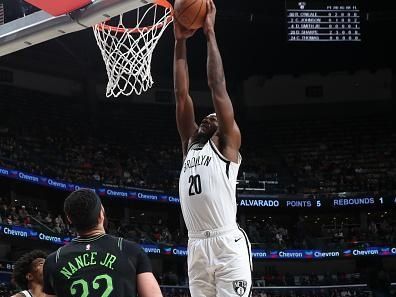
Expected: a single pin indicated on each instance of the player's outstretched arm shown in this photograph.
(147, 285)
(228, 128)
(185, 118)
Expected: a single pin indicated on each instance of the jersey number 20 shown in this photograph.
(195, 185)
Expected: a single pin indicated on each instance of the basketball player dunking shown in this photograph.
(219, 259)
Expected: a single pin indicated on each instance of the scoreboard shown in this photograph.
(326, 203)
(326, 21)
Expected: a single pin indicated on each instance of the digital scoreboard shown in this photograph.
(326, 203)
(323, 21)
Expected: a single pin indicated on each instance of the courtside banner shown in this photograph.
(6, 266)
(281, 254)
(244, 200)
(177, 250)
(31, 234)
(154, 249)
(321, 254)
(113, 192)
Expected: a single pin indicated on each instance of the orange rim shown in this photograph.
(164, 3)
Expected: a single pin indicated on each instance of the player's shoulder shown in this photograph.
(52, 258)
(130, 245)
(123, 244)
(52, 255)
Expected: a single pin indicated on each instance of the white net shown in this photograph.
(127, 52)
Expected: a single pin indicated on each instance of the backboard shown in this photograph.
(58, 20)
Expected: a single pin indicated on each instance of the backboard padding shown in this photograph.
(42, 26)
(58, 7)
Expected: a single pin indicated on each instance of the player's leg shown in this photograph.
(201, 278)
(233, 275)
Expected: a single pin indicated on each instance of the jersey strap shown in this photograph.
(88, 239)
(228, 162)
(26, 293)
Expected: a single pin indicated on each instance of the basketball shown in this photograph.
(190, 13)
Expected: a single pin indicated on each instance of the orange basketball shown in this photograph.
(190, 13)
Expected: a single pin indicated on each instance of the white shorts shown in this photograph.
(219, 263)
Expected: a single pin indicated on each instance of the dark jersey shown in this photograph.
(100, 266)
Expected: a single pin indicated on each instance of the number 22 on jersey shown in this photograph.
(95, 284)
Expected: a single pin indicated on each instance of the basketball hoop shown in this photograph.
(127, 46)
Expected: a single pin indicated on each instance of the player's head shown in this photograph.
(28, 269)
(208, 126)
(84, 210)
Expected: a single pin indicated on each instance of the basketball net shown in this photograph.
(127, 51)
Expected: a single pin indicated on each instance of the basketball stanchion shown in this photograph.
(127, 43)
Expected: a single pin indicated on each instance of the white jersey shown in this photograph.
(207, 188)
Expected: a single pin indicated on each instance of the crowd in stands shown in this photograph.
(331, 292)
(344, 230)
(154, 233)
(89, 161)
(29, 215)
(6, 291)
(314, 231)
(277, 279)
(316, 157)
(137, 146)
(357, 154)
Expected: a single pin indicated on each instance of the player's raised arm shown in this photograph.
(185, 118)
(229, 131)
